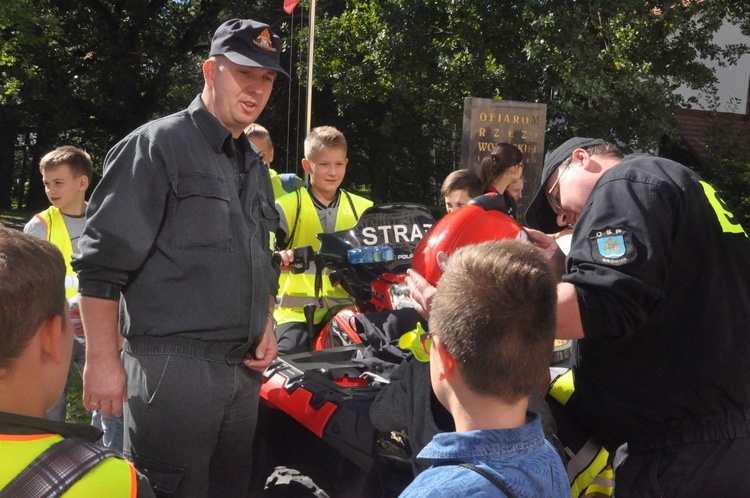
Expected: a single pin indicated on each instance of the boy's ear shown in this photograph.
(83, 183)
(448, 364)
(50, 335)
(306, 165)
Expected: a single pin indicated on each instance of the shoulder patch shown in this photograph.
(612, 246)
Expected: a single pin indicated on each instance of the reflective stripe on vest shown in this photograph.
(587, 470)
(297, 290)
(113, 477)
(57, 233)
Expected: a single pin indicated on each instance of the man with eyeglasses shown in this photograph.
(657, 287)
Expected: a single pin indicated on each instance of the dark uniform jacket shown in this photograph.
(180, 223)
(662, 274)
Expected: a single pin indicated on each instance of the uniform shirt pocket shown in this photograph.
(200, 215)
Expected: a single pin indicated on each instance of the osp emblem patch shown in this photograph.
(612, 246)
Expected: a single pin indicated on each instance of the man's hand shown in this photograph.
(105, 385)
(421, 293)
(266, 351)
(549, 247)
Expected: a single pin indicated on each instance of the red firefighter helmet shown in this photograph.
(483, 219)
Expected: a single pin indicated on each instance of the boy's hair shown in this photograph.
(502, 157)
(462, 179)
(254, 130)
(323, 137)
(77, 160)
(495, 312)
(32, 289)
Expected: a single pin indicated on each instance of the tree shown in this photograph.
(87, 72)
(397, 73)
(392, 74)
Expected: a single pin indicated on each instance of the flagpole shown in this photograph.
(310, 66)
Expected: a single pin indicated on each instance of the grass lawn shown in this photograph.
(76, 412)
(14, 218)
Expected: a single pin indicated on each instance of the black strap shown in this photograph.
(296, 218)
(494, 480)
(55, 470)
(351, 204)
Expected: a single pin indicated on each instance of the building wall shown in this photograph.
(733, 80)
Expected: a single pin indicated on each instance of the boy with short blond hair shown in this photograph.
(492, 326)
(66, 174)
(322, 207)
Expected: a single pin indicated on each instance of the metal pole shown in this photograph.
(310, 58)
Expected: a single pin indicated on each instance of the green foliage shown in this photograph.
(397, 72)
(88, 72)
(727, 167)
(392, 74)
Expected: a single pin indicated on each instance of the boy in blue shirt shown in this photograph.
(492, 325)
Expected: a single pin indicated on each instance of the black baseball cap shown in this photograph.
(248, 43)
(539, 214)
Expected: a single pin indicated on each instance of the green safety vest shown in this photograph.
(588, 470)
(113, 477)
(295, 291)
(57, 233)
(278, 187)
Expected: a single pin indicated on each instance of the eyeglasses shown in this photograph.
(554, 199)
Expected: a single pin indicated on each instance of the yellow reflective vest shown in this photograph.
(295, 291)
(278, 187)
(57, 233)
(113, 477)
(589, 471)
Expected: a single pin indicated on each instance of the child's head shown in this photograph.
(325, 159)
(494, 313)
(459, 188)
(259, 137)
(516, 188)
(504, 160)
(32, 290)
(66, 174)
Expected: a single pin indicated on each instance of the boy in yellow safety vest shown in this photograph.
(66, 174)
(321, 207)
(41, 457)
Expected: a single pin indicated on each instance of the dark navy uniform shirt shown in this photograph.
(662, 275)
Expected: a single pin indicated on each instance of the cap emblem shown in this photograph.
(264, 41)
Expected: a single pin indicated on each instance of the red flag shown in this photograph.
(289, 5)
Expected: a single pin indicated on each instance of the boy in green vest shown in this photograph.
(36, 341)
(321, 207)
(66, 174)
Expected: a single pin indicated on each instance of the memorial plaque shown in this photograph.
(488, 122)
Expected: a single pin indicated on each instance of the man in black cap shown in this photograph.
(657, 286)
(177, 243)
